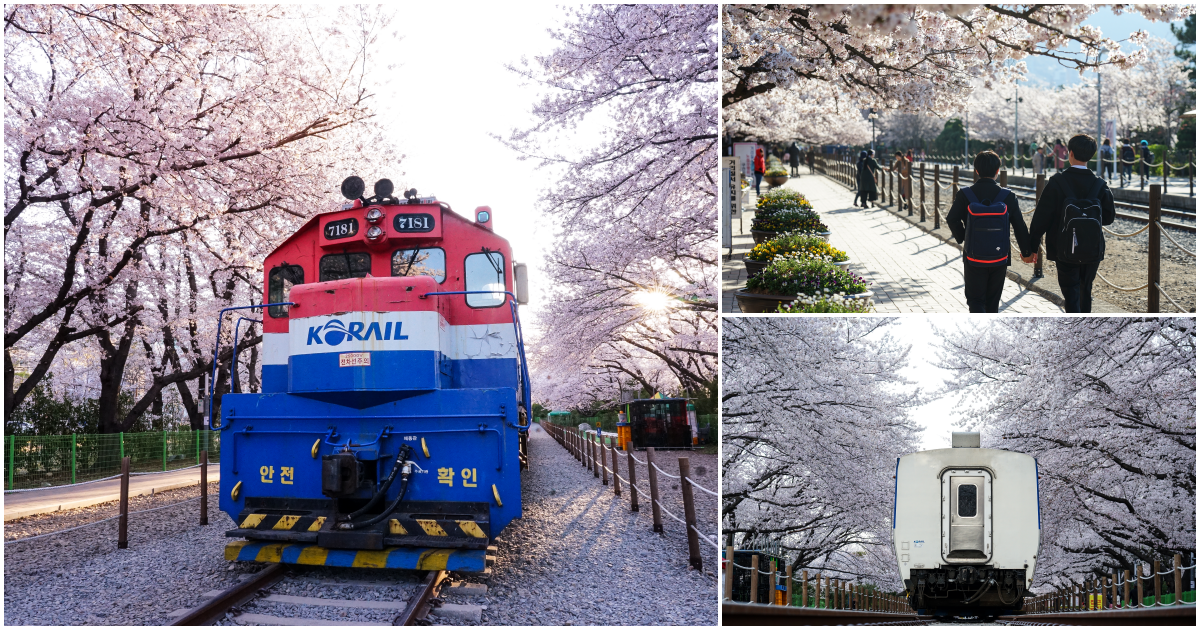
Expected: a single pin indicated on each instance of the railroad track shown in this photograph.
(241, 602)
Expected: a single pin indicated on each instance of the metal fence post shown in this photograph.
(12, 459)
(1153, 264)
(689, 516)
(653, 476)
(164, 440)
(123, 524)
(633, 492)
(204, 487)
(73, 457)
(121, 436)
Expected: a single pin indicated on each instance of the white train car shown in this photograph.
(966, 527)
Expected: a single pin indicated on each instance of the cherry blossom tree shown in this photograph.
(1108, 408)
(153, 154)
(815, 411)
(634, 260)
(926, 59)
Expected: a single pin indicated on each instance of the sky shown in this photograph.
(938, 417)
(1048, 71)
(450, 94)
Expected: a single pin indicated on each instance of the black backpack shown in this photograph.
(987, 243)
(1127, 153)
(1081, 237)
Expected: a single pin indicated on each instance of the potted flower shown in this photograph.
(769, 223)
(793, 245)
(827, 304)
(779, 198)
(784, 280)
(776, 176)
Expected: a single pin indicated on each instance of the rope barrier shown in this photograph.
(636, 459)
(1173, 302)
(665, 472)
(705, 537)
(112, 518)
(1119, 288)
(117, 476)
(668, 512)
(1173, 241)
(700, 487)
(1119, 235)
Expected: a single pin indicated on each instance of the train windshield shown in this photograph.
(966, 500)
(279, 287)
(420, 262)
(485, 272)
(345, 265)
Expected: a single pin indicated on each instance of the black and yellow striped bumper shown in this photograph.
(461, 560)
(449, 526)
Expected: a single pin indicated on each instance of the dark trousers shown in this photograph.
(1075, 282)
(983, 286)
(757, 182)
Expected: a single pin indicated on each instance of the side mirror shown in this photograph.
(521, 282)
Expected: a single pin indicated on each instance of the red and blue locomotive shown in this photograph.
(391, 427)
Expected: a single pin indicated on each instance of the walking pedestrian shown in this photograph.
(1147, 160)
(900, 168)
(760, 167)
(811, 157)
(1076, 244)
(867, 168)
(1039, 160)
(1107, 155)
(1128, 157)
(1060, 156)
(794, 159)
(982, 215)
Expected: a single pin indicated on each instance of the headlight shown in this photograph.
(374, 233)
(374, 215)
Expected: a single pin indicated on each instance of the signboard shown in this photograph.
(731, 198)
(413, 222)
(744, 151)
(1110, 132)
(342, 228)
(354, 359)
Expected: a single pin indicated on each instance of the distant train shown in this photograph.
(391, 429)
(966, 527)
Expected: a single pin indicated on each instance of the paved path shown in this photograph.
(22, 504)
(910, 271)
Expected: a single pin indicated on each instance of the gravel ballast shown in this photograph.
(578, 556)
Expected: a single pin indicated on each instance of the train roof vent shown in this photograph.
(965, 440)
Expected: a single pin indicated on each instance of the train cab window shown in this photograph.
(485, 272)
(966, 500)
(279, 287)
(345, 265)
(420, 262)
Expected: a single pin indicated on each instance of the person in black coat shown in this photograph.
(983, 285)
(1075, 281)
(794, 159)
(867, 189)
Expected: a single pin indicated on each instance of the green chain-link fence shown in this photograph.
(608, 422)
(41, 461)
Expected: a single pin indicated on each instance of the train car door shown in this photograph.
(966, 515)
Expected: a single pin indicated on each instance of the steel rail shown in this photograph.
(212, 610)
(1182, 615)
(418, 607)
(745, 614)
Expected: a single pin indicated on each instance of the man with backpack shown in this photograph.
(1128, 157)
(982, 215)
(1072, 209)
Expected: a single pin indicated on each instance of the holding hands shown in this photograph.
(1030, 259)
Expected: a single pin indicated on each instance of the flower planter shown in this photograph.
(766, 303)
(754, 267)
(776, 180)
(762, 236)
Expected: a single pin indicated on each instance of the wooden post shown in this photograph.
(753, 578)
(1152, 264)
(1125, 599)
(633, 493)
(922, 192)
(689, 517)
(822, 603)
(891, 197)
(653, 476)
(204, 487)
(1141, 595)
(595, 451)
(603, 458)
(123, 523)
(1113, 601)
(788, 598)
(1156, 578)
(908, 193)
(1037, 194)
(953, 184)
(616, 469)
(729, 569)
(774, 582)
(1003, 179)
(804, 588)
(1178, 577)
(937, 196)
